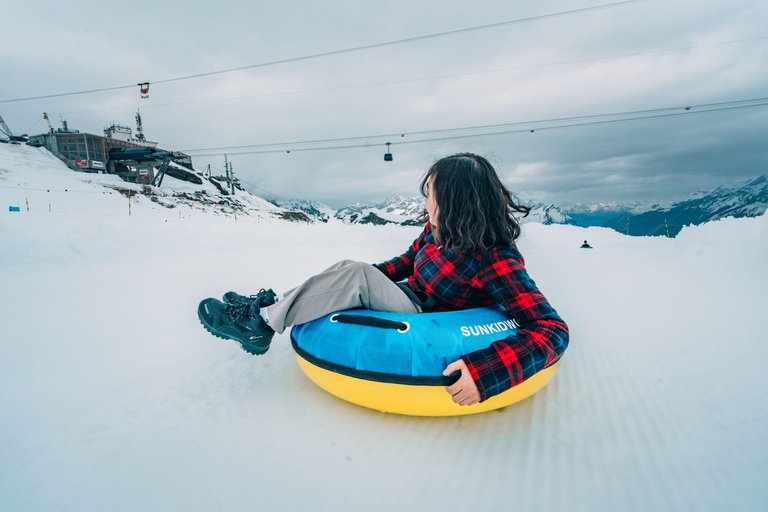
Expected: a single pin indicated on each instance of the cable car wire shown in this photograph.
(530, 126)
(251, 184)
(349, 50)
(487, 126)
(263, 190)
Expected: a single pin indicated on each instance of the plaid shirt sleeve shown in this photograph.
(542, 336)
(401, 267)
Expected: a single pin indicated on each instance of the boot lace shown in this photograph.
(239, 310)
(268, 295)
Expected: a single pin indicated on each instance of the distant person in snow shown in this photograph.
(466, 257)
(585, 245)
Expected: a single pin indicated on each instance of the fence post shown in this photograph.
(665, 225)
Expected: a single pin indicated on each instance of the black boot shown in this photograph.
(239, 321)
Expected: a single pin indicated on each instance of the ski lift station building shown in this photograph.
(90, 153)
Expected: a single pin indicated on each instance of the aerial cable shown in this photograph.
(539, 123)
(348, 50)
(35, 124)
(69, 93)
(410, 39)
(263, 190)
(436, 77)
(532, 126)
(466, 136)
(251, 184)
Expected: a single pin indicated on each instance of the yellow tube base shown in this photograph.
(416, 400)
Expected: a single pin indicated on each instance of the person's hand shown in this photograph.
(464, 391)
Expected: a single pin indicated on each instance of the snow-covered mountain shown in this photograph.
(747, 198)
(406, 210)
(409, 207)
(396, 209)
(596, 214)
(743, 199)
(548, 214)
(313, 209)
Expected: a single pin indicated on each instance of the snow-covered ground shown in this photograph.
(34, 179)
(113, 397)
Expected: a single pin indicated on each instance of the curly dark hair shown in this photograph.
(475, 209)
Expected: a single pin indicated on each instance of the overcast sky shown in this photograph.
(551, 68)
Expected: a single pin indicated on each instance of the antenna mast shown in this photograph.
(139, 128)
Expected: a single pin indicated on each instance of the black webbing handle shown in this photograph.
(370, 321)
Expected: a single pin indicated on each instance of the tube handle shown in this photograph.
(370, 321)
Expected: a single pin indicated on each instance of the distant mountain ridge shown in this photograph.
(549, 214)
(746, 198)
(318, 211)
(396, 209)
(740, 200)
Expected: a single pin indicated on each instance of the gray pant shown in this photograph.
(345, 285)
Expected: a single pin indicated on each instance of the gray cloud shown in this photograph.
(80, 45)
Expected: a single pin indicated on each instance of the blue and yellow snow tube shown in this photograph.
(393, 362)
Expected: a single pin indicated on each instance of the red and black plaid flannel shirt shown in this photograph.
(498, 275)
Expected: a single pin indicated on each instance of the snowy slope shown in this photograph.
(113, 397)
(35, 176)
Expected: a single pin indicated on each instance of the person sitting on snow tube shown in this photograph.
(466, 257)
